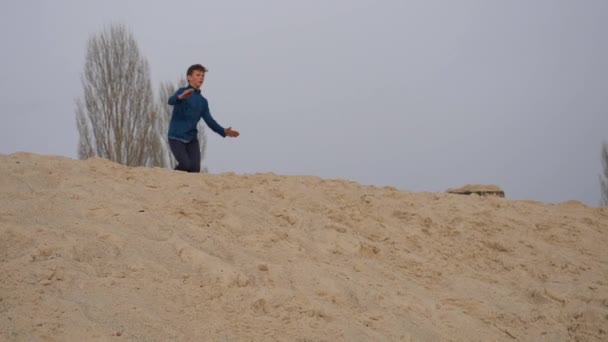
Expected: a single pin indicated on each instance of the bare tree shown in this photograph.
(115, 118)
(165, 111)
(604, 175)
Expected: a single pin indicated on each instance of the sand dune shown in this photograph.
(95, 251)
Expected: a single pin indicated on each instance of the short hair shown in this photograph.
(197, 67)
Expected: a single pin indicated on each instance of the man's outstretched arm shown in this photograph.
(217, 128)
(179, 95)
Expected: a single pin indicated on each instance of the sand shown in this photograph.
(95, 251)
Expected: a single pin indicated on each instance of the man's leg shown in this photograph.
(180, 152)
(194, 152)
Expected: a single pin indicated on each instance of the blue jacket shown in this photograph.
(187, 113)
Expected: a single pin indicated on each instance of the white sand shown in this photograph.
(90, 250)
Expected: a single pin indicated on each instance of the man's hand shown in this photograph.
(231, 133)
(185, 94)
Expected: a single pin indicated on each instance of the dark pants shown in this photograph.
(188, 155)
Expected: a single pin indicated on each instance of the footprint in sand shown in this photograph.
(14, 245)
(103, 249)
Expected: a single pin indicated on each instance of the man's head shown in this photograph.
(196, 75)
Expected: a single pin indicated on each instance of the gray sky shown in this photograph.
(421, 95)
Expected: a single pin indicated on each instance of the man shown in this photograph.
(189, 106)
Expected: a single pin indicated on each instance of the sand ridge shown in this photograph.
(92, 250)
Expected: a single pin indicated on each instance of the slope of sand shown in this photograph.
(91, 250)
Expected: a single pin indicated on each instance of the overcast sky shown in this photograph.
(421, 95)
